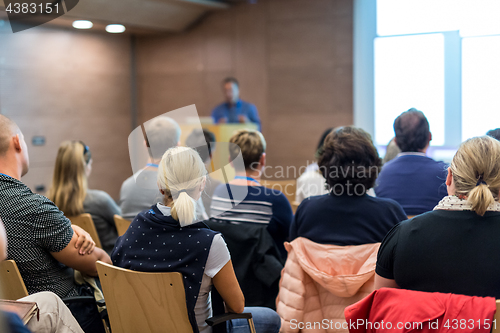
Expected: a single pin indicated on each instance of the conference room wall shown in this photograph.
(69, 85)
(293, 59)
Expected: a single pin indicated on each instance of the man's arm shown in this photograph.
(84, 243)
(70, 257)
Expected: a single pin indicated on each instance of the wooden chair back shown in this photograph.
(121, 224)
(496, 320)
(144, 302)
(288, 187)
(295, 205)
(85, 222)
(11, 282)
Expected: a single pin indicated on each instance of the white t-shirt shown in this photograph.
(218, 257)
(310, 183)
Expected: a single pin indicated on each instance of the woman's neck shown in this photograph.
(168, 201)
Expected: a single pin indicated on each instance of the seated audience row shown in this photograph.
(165, 199)
(166, 239)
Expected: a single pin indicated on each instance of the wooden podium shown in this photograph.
(220, 157)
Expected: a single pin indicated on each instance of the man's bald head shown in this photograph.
(412, 131)
(8, 129)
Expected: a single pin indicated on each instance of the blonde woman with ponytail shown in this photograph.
(70, 192)
(168, 238)
(455, 247)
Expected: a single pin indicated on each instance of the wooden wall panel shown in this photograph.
(293, 59)
(67, 85)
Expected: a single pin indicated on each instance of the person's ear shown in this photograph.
(203, 184)
(449, 177)
(262, 160)
(17, 143)
(430, 136)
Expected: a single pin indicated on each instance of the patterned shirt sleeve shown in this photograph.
(51, 228)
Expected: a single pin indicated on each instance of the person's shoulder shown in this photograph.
(128, 182)
(40, 203)
(313, 201)
(272, 193)
(382, 201)
(248, 104)
(221, 190)
(219, 107)
(98, 195)
(438, 164)
(392, 164)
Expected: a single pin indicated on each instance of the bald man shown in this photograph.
(42, 241)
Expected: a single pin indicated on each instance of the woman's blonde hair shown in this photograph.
(181, 171)
(252, 145)
(476, 172)
(69, 183)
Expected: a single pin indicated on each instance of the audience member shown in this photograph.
(139, 191)
(494, 133)
(392, 150)
(166, 239)
(234, 110)
(336, 236)
(261, 204)
(452, 249)
(204, 143)
(41, 239)
(70, 192)
(53, 315)
(312, 182)
(347, 215)
(414, 180)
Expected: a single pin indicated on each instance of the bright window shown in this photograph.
(409, 72)
(441, 57)
(480, 85)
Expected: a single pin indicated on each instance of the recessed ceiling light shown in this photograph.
(82, 24)
(115, 28)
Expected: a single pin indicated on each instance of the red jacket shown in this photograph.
(398, 310)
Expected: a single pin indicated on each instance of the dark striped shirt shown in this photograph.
(254, 204)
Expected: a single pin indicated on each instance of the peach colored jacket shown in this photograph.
(319, 281)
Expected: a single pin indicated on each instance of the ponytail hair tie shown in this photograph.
(182, 191)
(480, 180)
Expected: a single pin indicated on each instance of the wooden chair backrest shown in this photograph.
(295, 205)
(144, 302)
(288, 187)
(121, 224)
(85, 222)
(496, 320)
(11, 281)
